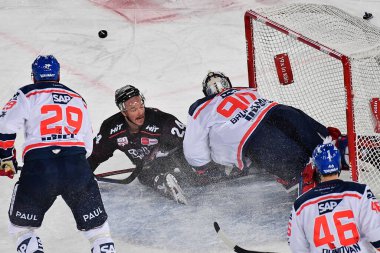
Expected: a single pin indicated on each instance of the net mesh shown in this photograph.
(318, 86)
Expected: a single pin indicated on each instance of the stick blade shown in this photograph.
(216, 226)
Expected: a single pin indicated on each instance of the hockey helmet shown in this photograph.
(45, 68)
(214, 83)
(327, 159)
(124, 93)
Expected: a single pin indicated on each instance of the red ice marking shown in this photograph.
(142, 11)
(31, 50)
(150, 11)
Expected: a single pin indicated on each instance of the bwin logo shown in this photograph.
(328, 206)
(61, 98)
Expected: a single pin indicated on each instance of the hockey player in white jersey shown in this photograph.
(58, 137)
(235, 127)
(336, 216)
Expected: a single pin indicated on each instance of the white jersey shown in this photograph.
(51, 114)
(219, 126)
(335, 217)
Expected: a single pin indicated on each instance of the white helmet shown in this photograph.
(214, 83)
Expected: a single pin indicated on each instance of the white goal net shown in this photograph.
(326, 62)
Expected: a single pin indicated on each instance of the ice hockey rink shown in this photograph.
(165, 48)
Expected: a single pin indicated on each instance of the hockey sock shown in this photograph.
(101, 240)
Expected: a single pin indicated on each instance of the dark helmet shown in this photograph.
(214, 83)
(124, 93)
(45, 68)
(327, 159)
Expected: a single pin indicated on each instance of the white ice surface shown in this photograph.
(166, 59)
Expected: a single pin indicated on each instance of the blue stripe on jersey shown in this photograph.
(199, 102)
(376, 244)
(45, 85)
(329, 187)
(7, 137)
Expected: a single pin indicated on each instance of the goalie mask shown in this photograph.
(214, 83)
(326, 157)
(124, 93)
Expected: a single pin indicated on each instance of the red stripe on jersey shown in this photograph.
(7, 144)
(150, 133)
(51, 91)
(56, 143)
(202, 107)
(340, 196)
(249, 132)
(111, 136)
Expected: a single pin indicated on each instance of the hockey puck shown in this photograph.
(367, 15)
(102, 34)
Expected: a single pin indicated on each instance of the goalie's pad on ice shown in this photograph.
(168, 186)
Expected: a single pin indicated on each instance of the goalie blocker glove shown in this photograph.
(168, 186)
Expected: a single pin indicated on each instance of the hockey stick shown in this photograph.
(231, 244)
(114, 172)
(136, 171)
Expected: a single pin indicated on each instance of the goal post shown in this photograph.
(325, 62)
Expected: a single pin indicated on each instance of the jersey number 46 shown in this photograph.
(347, 233)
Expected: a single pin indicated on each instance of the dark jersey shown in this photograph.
(160, 132)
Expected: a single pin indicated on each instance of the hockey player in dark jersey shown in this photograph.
(150, 138)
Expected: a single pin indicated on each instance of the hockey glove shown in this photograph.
(341, 142)
(8, 165)
(308, 178)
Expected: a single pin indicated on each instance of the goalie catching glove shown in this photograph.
(8, 165)
(167, 185)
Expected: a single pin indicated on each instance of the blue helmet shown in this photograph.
(45, 68)
(327, 159)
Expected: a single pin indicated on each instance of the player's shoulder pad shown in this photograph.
(113, 120)
(199, 102)
(154, 114)
(330, 187)
(35, 87)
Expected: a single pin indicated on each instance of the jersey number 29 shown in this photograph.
(73, 118)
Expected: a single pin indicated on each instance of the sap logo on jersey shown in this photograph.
(92, 214)
(327, 206)
(115, 129)
(107, 248)
(370, 194)
(61, 98)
